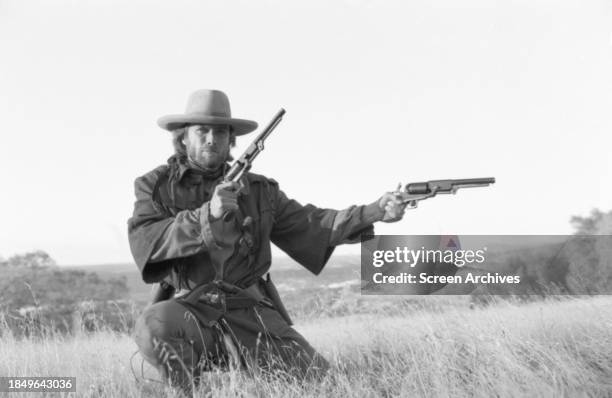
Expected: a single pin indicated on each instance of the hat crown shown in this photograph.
(207, 107)
(208, 103)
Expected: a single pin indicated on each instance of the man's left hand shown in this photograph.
(391, 204)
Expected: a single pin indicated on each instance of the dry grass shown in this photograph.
(547, 349)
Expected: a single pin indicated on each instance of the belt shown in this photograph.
(226, 296)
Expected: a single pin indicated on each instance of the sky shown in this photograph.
(376, 93)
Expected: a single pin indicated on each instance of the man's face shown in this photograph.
(208, 145)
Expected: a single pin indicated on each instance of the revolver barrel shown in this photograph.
(446, 186)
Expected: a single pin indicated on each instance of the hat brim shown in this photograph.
(239, 126)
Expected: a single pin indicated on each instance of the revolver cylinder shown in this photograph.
(418, 188)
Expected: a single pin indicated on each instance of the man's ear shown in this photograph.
(184, 138)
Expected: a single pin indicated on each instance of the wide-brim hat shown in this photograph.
(207, 107)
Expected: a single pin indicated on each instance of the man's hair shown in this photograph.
(181, 150)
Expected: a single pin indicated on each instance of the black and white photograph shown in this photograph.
(352, 198)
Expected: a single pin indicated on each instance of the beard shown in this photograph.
(206, 158)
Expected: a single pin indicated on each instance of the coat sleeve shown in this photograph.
(309, 234)
(156, 237)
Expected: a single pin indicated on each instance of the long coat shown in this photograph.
(172, 237)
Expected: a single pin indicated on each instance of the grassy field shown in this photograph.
(547, 349)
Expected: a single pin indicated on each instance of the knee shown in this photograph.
(158, 322)
(157, 319)
(169, 323)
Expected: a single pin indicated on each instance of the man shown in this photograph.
(179, 235)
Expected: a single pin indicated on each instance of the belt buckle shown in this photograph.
(214, 297)
(209, 294)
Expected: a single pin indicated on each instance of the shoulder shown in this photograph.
(148, 181)
(265, 186)
(260, 179)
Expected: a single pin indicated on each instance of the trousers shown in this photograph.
(181, 340)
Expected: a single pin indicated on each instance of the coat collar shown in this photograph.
(182, 168)
(184, 171)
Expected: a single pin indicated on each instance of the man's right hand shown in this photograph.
(224, 199)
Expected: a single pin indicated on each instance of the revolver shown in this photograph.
(412, 193)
